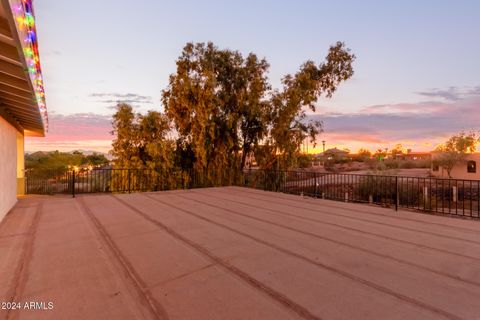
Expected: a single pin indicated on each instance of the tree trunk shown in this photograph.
(244, 157)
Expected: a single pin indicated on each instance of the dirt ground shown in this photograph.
(416, 172)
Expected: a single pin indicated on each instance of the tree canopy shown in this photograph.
(141, 141)
(219, 109)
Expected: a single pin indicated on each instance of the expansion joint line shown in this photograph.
(22, 271)
(328, 239)
(344, 274)
(373, 222)
(377, 235)
(153, 307)
(280, 298)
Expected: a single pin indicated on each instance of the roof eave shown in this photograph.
(36, 126)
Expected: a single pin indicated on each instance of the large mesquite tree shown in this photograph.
(217, 103)
(221, 108)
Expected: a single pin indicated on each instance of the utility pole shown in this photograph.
(323, 155)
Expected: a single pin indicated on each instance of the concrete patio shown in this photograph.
(234, 253)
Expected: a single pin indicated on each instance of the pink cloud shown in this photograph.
(420, 126)
(348, 137)
(421, 107)
(77, 131)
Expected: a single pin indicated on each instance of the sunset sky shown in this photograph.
(417, 72)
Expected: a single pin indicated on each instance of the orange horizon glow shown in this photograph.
(103, 145)
(92, 132)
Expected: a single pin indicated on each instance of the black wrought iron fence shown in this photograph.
(122, 180)
(48, 181)
(446, 196)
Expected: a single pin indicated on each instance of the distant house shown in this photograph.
(414, 156)
(467, 169)
(330, 154)
(334, 154)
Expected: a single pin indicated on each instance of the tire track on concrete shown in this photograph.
(153, 306)
(20, 279)
(339, 272)
(244, 189)
(331, 240)
(377, 235)
(370, 221)
(15, 235)
(278, 297)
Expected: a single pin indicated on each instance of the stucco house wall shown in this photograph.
(8, 167)
(459, 171)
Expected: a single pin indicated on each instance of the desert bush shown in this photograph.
(408, 165)
(391, 164)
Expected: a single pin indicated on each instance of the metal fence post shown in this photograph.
(397, 198)
(128, 180)
(425, 198)
(73, 183)
(265, 180)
